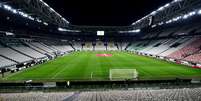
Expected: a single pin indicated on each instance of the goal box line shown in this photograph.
(123, 74)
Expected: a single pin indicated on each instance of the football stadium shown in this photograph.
(130, 50)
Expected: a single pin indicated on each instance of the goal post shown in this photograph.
(123, 74)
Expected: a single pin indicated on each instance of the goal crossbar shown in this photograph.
(123, 74)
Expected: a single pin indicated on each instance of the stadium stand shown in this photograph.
(6, 63)
(45, 52)
(44, 47)
(182, 94)
(88, 46)
(39, 96)
(28, 51)
(20, 47)
(167, 32)
(184, 48)
(111, 46)
(151, 45)
(196, 58)
(58, 46)
(155, 58)
(49, 46)
(77, 46)
(14, 52)
(122, 46)
(190, 49)
(63, 48)
(100, 46)
(14, 55)
(176, 46)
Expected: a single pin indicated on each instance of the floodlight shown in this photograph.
(199, 12)
(62, 29)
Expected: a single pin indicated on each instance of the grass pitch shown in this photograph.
(88, 66)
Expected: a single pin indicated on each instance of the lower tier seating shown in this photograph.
(182, 94)
(5, 62)
(14, 55)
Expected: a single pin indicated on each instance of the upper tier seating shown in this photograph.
(167, 32)
(150, 35)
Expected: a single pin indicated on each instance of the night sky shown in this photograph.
(104, 12)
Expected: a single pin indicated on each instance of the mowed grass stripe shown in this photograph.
(80, 66)
(164, 69)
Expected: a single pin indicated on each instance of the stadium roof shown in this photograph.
(124, 18)
(105, 12)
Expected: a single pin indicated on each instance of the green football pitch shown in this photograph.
(88, 66)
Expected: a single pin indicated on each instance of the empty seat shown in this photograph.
(14, 55)
(5, 62)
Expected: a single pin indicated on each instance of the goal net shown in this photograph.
(123, 74)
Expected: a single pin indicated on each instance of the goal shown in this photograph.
(123, 74)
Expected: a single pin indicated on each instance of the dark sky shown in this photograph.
(104, 12)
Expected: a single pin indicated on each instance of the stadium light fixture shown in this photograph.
(31, 18)
(67, 30)
(136, 31)
(45, 23)
(167, 5)
(38, 20)
(15, 11)
(153, 13)
(158, 10)
(161, 8)
(192, 13)
(177, 18)
(23, 14)
(52, 10)
(153, 26)
(161, 23)
(185, 16)
(178, 0)
(131, 31)
(189, 15)
(62, 29)
(199, 12)
(7, 7)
